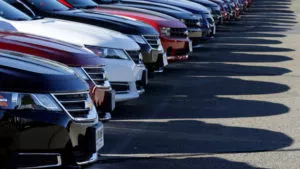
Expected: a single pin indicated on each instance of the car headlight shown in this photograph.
(28, 101)
(138, 39)
(80, 73)
(108, 53)
(182, 20)
(165, 31)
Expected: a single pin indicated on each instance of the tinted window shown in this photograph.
(81, 3)
(48, 5)
(9, 12)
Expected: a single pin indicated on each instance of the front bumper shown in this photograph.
(126, 94)
(48, 139)
(218, 19)
(149, 54)
(126, 91)
(195, 35)
(209, 33)
(176, 48)
(161, 63)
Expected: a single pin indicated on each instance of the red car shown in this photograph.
(85, 64)
(173, 33)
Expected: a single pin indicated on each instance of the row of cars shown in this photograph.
(65, 63)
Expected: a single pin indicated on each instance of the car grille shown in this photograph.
(179, 32)
(120, 87)
(192, 23)
(135, 56)
(152, 40)
(75, 104)
(96, 74)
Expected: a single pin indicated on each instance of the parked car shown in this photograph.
(234, 8)
(39, 125)
(173, 33)
(143, 34)
(197, 9)
(226, 11)
(192, 21)
(87, 65)
(215, 9)
(113, 46)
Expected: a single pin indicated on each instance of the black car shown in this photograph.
(146, 36)
(215, 9)
(47, 118)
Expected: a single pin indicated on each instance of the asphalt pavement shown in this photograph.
(234, 105)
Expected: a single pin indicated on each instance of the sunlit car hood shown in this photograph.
(76, 33)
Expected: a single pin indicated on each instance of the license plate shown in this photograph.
(191, 46)
(99, 138)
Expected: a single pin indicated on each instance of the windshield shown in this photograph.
(9, 12)
(48, 5)
(82, 3)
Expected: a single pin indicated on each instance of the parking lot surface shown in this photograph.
(234, 104)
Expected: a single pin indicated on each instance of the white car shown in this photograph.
(124, 74)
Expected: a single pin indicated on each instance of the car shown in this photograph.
(193, 22)
(173, 33)
(234, 8)
(145, 35)
(124, 74)
(226, 11)
(215, 10)
(39, 126)
(87, 65)
(208, 24)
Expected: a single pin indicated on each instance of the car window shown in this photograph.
(11, 13)
(48, 5)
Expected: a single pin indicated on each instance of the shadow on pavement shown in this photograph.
(169, 117)
(188, 163)
(188, 137)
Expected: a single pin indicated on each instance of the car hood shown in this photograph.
(155, 19)
(187, 5)
(116, 23)
(40, 75)
(206, 3)
(76, 33)
(162, 8)
(62, 52)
